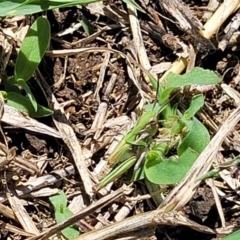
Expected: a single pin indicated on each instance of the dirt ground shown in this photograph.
(80, 83)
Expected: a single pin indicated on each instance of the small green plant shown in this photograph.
(87, 26)
(165, 142)
(30, 55)
(61, 212)
(24, 7)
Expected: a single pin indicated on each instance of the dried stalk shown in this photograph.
(20, 212)
(213, 24)
(18, 119)
(139, 222)
(85, 212)
(41, 182)
(14, 229)
(231, 29)
(69, 137)
(137, 39)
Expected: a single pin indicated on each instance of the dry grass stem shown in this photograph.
(232, 93)
(18, 119)
(14, 229)
(142, 221)
(232, 27)
(41, 182)
(7, 212)
(69, 137)
(20, 212)
(213, 24)
(101, 115)
(212, 5)
(85, 212)
(210, 182)
(137, 39)
(227, 8)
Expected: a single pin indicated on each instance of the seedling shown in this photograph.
(164, 130)
(61, 213)
(30, 55)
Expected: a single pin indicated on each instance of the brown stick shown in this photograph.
(186, 22)
(85, 212)
(139, 222)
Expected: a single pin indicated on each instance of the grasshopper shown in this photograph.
(163, 118)
(131, 148)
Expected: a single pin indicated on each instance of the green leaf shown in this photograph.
(169, 171)
(12, 88)
(164, 95)
(23, 104)
(28, 91)
(196, 104)
(32, 49)
(70, 232)
(4, 94)
(59, 201)
(10, 85)
(196, 139)
(155, 108)
(21, 7)
(87, 26)
(134, 4)
(62, 215)
(233, 236)
(197, 75)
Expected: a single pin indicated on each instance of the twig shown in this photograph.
(41, 182)
(212, 5)
(16, 118)
(125, 190)
(142, 221)
(212, 25)
(217, 201)
(232, 28)
(137, 38)
(20, 212)
(68, 135)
